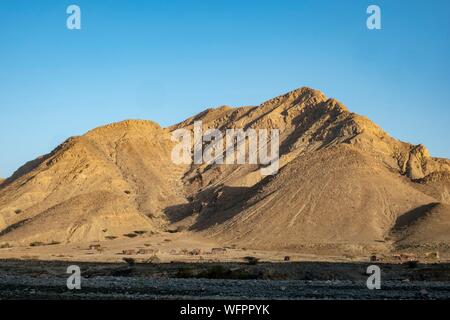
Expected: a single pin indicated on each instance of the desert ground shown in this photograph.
(206, 279)
(187, 247)
(184, 266)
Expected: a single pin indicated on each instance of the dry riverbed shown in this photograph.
(21, 279)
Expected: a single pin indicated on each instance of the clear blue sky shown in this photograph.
(167, 60)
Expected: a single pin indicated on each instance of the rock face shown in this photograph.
(336, 196)
(343, 183)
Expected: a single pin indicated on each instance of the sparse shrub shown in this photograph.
(215, 272)
(110, 237)
(5, 245)
(181, 228)
(221, 272)
(53, 242)
(37, 244)
(122, 272)
(251, 260)
(95, 247)
(18, 211)
(129, 261)
(218, 250)
(147, 251)
(130, 235)
(287, 258)
(176, 229)
(140, 232)
(185, 273)
(273, 275)
(412, 264)
(432, 255)
(153, 259)
(195, 252)
(127, 191)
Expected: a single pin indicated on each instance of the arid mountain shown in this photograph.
(343, 185)
(113, 180)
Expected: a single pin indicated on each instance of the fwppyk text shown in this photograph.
(228, 309)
